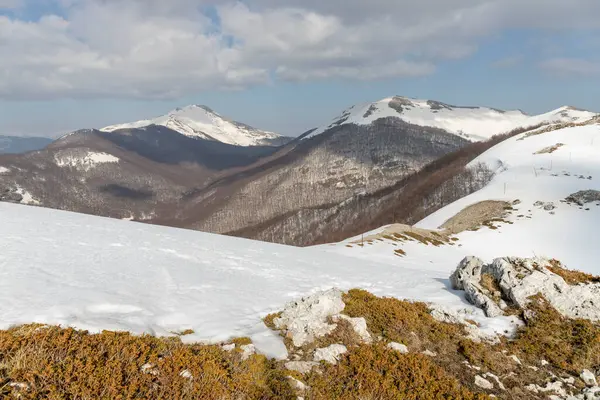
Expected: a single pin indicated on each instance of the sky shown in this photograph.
(287, 65)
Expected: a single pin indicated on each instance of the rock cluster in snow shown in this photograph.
(315, 316)
(584, 196)
(517, 279)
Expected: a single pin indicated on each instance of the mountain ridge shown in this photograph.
(474, 123)
(201, 121)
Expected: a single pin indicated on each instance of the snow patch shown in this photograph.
(86, 161)
(4, 170)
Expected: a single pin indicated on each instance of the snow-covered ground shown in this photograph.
(202, 122)
(97, 273)
(568, 232)
(473, 123)
(4, 170)
(86, 161)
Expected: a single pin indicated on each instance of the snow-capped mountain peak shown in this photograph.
(200, 121)
(473, 123)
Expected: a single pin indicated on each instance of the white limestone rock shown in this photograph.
(330, 354)
(359, 325)
(588, 378)
(305, 320)
(303, 367)
(521, 278)
(483, 383)
(228, 347)
(401, 348)
(186, 374)
(248, 350)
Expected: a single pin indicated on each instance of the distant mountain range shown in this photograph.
(18, 144)
(193, 168)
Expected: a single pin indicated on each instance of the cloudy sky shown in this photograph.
(287, 65)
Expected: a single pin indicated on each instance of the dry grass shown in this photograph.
(489, 283)
(484, 213)
(400, 252)
(54, 363)
(550, 149)
(572, 277)
(269, 320)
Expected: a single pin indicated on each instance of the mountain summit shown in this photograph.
(472, 123)
(199, 121)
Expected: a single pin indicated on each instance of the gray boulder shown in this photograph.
(518, 279)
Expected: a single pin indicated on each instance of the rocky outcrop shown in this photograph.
(513, 281)
(315, 316)
(307, 319)
(584, 196)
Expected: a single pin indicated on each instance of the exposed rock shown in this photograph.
(549, 206)
(467, 277)
(398, 347)
(149, 368)
(520, 278)
(451, 316)
(429, 353)
(247, 351)
(359, 325)
(483, 383)
(10, 195)
(330, 354)
(186, 374)
(228, 347)
(305, 320)
(298, 385)
(588, 378)
(584, 196)
(556, 387)
(301, 366)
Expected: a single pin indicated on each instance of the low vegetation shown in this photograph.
(38, 362)
(572, 277)
(442, 361)
(375, 372)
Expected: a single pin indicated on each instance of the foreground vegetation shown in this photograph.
(442, 362)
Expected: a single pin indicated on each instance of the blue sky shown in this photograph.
(286, 66)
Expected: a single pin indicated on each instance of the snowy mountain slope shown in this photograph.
(96, 273)
(473, 123)
(540, 223)
(201, 122)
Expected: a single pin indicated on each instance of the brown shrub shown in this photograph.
(374, 372)
(57, 363)
(568, 344)
(402, 321)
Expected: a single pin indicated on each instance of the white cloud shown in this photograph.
(162, 49)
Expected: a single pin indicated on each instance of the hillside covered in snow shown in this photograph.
(199, 121)
(93, 273)
(473, 123)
